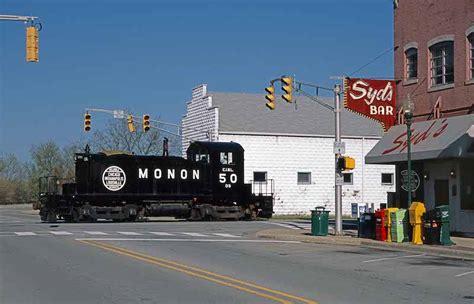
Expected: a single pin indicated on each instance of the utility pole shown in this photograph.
(337, 154)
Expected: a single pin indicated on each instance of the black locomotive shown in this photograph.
(209, 184)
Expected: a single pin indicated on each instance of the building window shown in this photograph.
(347, 178)
(411, 64)
(471, 55)
(442, 63)
(260, 176)
(387, 178)
(304, 178)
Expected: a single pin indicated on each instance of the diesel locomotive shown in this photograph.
(207, 185)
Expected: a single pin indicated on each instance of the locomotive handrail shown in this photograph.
(267, 185)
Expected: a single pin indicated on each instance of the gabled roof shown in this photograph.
(247, 113)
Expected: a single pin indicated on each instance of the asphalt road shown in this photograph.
(208, 262)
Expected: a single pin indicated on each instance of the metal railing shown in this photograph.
(266, 187)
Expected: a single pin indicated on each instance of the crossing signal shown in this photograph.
(287, 87)
(32, 44)
(146, 122)
(87, 122)
(130, 124)
(270, 97)
(345, 163)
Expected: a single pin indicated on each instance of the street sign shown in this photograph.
(339, 180)
(415, 180)
(339, 147)
(119, 114)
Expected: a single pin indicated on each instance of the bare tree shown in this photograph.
(116, 136)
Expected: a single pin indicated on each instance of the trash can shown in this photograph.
(442, 216)
(367, 226)
(431, 228)
(380, 227)
(399, 228)
(319, 221)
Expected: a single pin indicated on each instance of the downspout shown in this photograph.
(363, 165)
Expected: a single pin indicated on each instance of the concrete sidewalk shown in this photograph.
(463, 249)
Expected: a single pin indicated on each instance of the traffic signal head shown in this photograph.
(130, 125)
(287, 87)
(345, 163)
(146, 122)
(270, 97)
(87, 122)
(32, 44)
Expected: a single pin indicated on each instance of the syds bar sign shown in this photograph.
(374, 99)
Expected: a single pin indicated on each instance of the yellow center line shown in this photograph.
(203, 273)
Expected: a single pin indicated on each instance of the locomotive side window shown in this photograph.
(226, 158)
(201, 158)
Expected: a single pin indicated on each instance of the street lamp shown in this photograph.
(408, 117)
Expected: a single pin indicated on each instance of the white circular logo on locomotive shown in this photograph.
(114, 178)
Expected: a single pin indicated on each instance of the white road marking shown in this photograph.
(227, 235)
(61, 233)
(194, 234)
(187, 240)
(95, 233)
(463, 274)
(281, 225)
(25, 233)
(395, 258)
(128, 233)
(161, 233)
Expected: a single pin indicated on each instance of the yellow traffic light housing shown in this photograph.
(287, 87)
(345, 163)
(270, 97)
(146, 122)
(130, 124)
(87, 122)
(32, 44)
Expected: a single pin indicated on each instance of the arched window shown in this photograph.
(442, 63)
(411, 63)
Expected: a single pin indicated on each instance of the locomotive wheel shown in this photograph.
(51, 217)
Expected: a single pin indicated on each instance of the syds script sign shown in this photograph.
(374, 99)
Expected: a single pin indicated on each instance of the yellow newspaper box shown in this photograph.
(417, 209)
(388, 222)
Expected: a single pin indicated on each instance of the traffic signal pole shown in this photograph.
(337, 153)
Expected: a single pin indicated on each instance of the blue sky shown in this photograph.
(146, 56)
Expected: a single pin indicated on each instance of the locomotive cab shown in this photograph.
(226, 162)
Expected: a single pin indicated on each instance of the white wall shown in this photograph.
(283, 156)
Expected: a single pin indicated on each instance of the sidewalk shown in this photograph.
(463, 249)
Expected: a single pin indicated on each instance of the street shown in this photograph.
(208, 262)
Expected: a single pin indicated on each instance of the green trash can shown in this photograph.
(399, 228)
(319, 221)
(442, 215)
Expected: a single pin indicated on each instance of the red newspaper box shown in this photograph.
(380, 228)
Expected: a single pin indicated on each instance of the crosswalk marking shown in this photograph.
(194, 234)
(226, 235)
(95, 233)
(61, 233)
(128, 233)
(161, 233)
(25, 233)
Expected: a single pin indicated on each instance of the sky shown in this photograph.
(145, 56)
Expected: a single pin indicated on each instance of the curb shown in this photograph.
(298, 235)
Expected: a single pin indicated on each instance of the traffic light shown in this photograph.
(345, 163)
(146, 122)
(32, 44)
(270, 97)
(87, 122)
(287, 87)
(130, 125)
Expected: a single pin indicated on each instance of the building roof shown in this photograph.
(247, 113)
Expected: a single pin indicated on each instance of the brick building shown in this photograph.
(434, 64)
(290, 150)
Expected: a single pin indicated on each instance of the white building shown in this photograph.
(291, 148)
